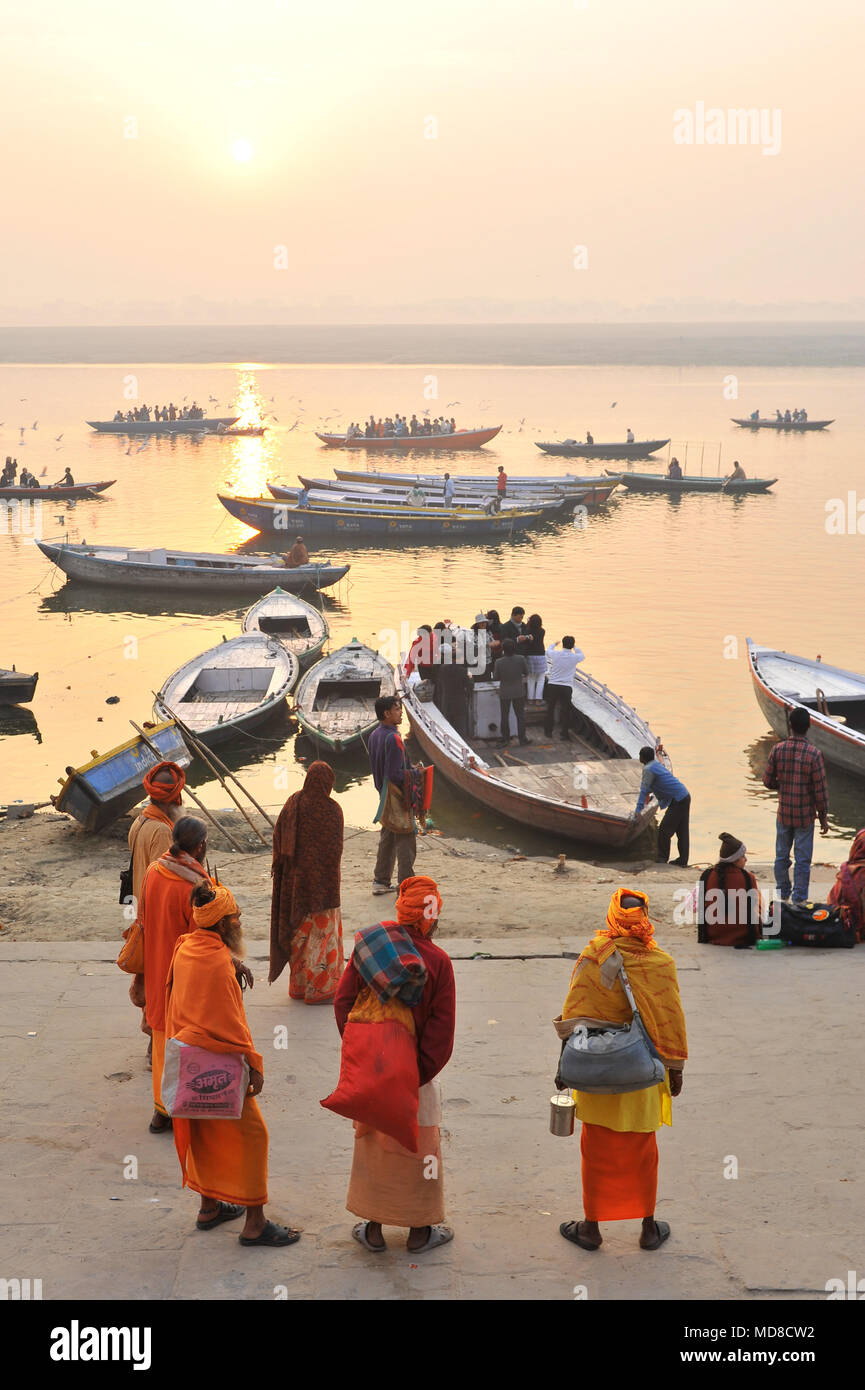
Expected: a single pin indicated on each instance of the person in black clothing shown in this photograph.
(515, 629)
(536, 655)
(452, 687)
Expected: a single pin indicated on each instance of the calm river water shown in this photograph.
(660, 593)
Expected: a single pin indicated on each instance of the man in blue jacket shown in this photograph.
(674, 799)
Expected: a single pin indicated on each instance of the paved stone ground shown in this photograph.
(775, 1082)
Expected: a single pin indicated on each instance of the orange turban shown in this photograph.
(629, 921)
(165, 790)
(419, 903)
(223, 905)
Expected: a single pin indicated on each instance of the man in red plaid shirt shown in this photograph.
(795, 769)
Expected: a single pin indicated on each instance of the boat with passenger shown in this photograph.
(186, 571)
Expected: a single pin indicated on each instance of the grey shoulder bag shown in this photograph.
(612, 1060)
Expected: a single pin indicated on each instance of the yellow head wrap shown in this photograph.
(223, 905)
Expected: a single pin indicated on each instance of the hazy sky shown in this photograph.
(553, 127)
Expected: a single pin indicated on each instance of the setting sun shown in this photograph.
(242, 151)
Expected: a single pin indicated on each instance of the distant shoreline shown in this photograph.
(728, 345)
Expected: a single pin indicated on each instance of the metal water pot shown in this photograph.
(562, 1113)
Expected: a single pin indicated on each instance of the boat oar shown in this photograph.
(210, 756)
(206, 757)
(191, 794)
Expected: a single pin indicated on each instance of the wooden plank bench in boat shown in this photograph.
(609, 786)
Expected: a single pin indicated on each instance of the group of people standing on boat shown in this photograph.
(10, 477)
(397, 426)
(162, 413)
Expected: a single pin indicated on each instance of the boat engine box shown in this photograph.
(486, 711)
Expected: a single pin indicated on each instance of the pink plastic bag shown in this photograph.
(202, 1085)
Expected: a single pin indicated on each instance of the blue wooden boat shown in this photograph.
(104, 789)
(379, 523)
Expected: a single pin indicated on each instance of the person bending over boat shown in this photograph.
(674, 799)
(389, 763)
(617, 1144)
(675, 469)
(298, 555)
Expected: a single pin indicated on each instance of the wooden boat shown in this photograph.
(794, 425)
(242, 432)
(229, 689)
(659, 482)
(834, 698)
(16, 688)
(573, 448)
(100, 791)
(474, 482)
(335, 701)
(331, 493)
(541, 787)
(299, 626)
(56, 493)
(262, 514)
(460, 439)
(206, 425)
(186, 571)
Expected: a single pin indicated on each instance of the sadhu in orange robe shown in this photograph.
(222, 1159)
(618, 1145)
(165, 913)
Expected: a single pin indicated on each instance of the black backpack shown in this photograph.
(814, 924)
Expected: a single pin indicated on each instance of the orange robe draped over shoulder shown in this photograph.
(221, 1159)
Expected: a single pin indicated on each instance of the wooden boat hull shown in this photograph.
(656, 482)
(325, 705)
(800, 426)
(840, 744)
(17, 688)
(640, 449)
(216, 695)
(355, 496)
(281, 518)
(205, 426)
(589, 824)
(106, 788)
(460, 439)
(55, 494)
(535, 483)
(299, 626)
(198, 573)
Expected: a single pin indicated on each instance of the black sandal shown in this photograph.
(663, 1233)
(571, 1231)
(226, 1211)
(272, 1235)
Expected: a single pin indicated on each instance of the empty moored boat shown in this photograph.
(583, 790)
(186, 571)
(100, 791)
(299, 626)
(331, 493)
(659, 482)
(460, 439)
(55, 492)
(229, 689)
(16, 688)
(574, 448)
(335, 700)
(378, 523)
(834, 698)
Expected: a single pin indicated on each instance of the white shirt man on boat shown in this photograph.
(449, 490)
(630, 436)
(560, 683)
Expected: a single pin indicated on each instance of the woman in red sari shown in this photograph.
(848, 890)
(305, 916)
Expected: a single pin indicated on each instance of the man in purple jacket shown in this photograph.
(390, 763)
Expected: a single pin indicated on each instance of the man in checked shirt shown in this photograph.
(795, 770)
